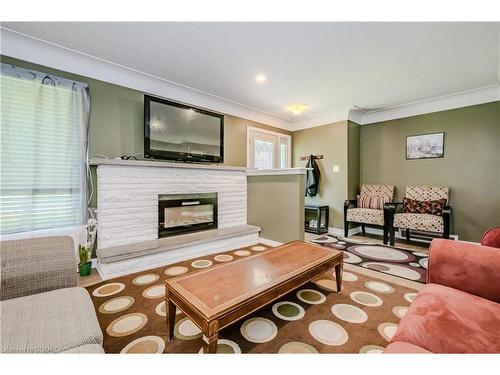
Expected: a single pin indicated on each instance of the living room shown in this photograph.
(262, 194)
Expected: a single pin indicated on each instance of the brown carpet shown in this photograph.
(316, 318)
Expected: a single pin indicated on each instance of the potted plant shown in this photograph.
(85, 265)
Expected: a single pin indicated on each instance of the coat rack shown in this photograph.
(315, 157)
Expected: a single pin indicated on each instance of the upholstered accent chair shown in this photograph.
(437, 222)
(371, 213)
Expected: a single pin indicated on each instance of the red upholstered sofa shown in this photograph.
(458, 310)
(491, 237)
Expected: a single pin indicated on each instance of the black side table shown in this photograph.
(316, 219)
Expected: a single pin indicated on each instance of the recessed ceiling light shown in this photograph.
(297, 109)
(260, 78)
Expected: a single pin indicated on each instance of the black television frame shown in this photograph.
(179, 156)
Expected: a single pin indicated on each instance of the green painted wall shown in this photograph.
(339, 143)
(276, 204)
(470, 167)
(116, 120)
(235, 135)
(365, 154)
(331, 142)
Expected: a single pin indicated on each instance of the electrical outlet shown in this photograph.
(336, 168)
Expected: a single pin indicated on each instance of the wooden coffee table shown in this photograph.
(221, 295)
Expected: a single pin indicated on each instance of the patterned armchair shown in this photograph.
(434, 220)
(369, 208)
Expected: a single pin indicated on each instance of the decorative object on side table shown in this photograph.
(85, 265)
(425, 146)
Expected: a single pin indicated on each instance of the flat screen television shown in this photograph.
(175, 131)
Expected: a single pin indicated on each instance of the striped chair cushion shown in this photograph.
(373, 202)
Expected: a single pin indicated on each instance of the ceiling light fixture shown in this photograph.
(260, 78)
(297, 109)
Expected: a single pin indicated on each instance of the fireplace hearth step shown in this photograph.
(126, 259)
(167, 244)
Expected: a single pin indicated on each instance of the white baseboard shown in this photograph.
(340, 231)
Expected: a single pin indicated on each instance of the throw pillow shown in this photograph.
(373, 202)
(413, 206)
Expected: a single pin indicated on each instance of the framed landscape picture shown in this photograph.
(425, 146)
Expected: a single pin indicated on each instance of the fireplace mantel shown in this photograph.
(220, 167)
(163, 164)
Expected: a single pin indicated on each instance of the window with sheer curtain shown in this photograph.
(43, 137)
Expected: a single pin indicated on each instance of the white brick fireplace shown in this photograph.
(127, 207)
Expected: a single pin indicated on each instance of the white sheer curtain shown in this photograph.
(43, 138)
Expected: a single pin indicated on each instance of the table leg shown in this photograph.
(338, 275)
(211, 346)
(170, 308)
(211, 341)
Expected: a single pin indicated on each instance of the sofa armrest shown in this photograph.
(36, 265)
(474, 269)
(491, 237)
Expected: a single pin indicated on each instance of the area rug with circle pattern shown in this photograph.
(411, 265)
(313, 319)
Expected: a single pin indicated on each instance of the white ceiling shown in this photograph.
(327, 66)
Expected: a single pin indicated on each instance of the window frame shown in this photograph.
(266, 136)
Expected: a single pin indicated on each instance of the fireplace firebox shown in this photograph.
(184, 213)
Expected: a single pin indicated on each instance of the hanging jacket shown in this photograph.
(312, 177)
